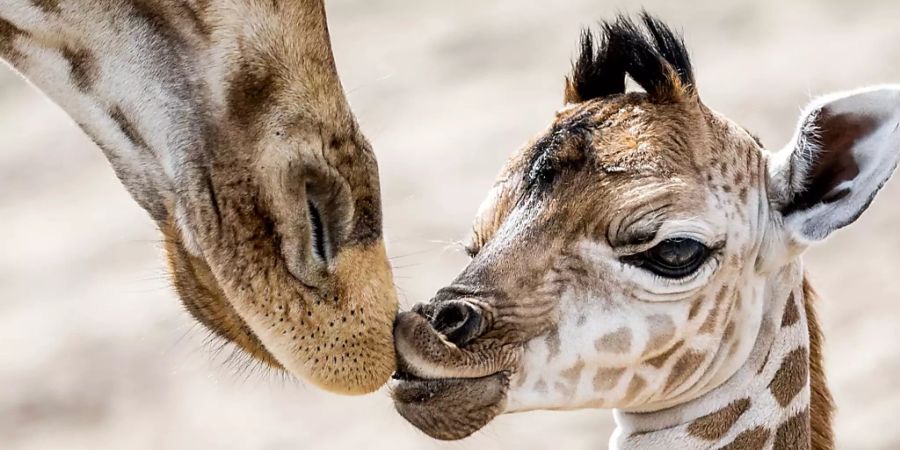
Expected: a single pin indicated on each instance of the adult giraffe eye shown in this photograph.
(672, 258)
(318, 235)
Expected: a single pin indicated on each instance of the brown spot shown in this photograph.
(566, 390)
(48, 6)
(553, 344)
(695, 308)
(540, 387)
(249, 92)
(752, 439)
(606, 379)
(791, 313)
(83, 67)
(729, 331)
(197, 17)
(635, 386)
(127, 127)
(791, 376)
(683, 369)
(713, 427)
(793, 433)
(662, 330)
(618, 341)
(572, 374)
(659, 360)
(8, 35)
(709, 325)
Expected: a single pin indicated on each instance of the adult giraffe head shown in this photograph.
(227, 122)
(642, 254)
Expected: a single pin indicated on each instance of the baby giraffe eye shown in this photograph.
(671, 258)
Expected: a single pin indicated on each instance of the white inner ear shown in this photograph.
(875, 153)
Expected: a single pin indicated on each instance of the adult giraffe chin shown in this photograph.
(226, 121)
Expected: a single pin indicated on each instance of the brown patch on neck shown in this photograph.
(794, 433)
(791, 377)
(791, 314)
(48, 6)
(752, 439)
(713, 427)
(83, 67)
(127, 127)
(821, 407)
(8, 34)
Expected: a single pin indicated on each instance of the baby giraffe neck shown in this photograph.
(778, 399)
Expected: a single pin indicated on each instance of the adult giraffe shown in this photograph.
(227, 122)
(669, 284)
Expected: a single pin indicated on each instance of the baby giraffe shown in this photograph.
(643, 254)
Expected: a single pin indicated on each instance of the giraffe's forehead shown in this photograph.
(614, 156)
(629, 133)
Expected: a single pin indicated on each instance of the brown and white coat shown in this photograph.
(643, 254)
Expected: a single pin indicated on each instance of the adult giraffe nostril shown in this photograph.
(459, 322)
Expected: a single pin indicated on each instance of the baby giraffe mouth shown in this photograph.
(447, 391)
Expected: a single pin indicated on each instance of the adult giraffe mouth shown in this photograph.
(448, 392)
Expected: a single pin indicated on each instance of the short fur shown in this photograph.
(563, 305)
(226, 121)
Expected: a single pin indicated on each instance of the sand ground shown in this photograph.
(97, 353)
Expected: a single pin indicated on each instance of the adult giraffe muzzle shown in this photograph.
(227, 122)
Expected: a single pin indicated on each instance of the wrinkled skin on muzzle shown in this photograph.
(458, 353)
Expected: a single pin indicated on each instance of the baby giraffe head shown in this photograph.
(623, 257)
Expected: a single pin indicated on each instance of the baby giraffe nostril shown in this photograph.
(458, 321)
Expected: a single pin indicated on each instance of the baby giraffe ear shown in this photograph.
(845, 148)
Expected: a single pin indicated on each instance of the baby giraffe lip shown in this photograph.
(452, 408)
(447, 391)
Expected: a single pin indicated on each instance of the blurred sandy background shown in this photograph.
(97, 353)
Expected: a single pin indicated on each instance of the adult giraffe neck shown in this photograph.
(151, 81)
(227, 122)
(129, 80)
(777, 398)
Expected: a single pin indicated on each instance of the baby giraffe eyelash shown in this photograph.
(673, 258)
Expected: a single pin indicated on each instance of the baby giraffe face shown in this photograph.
(624, 258)
(612, 264)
